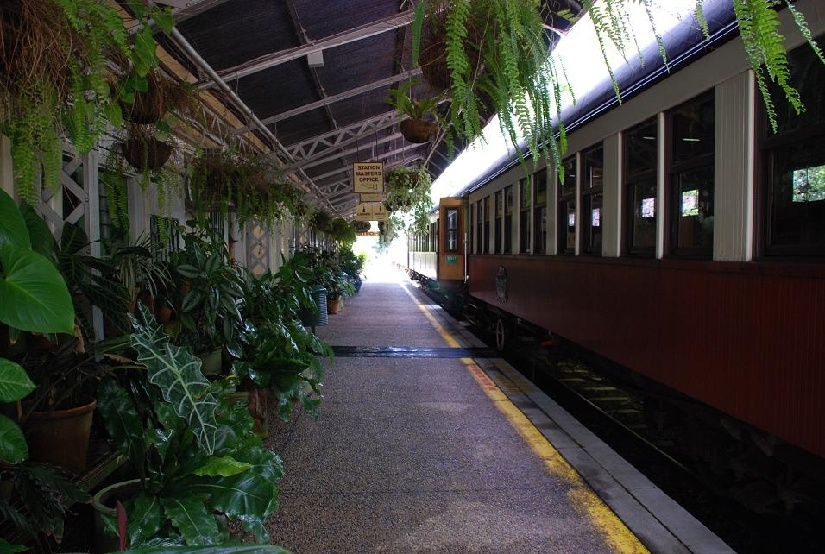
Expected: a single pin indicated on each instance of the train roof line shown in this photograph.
(684, 44)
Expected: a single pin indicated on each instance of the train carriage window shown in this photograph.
(794, 161)
(591, 200)
(451, 230)
(567, 208)
(508, 219)
(479, 227)
(498, 222)
(471, 229)
(486, 223)
(540, 212)
(640, 162)
(692, 177)
(525, 226)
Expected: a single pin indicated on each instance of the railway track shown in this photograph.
(632, 425)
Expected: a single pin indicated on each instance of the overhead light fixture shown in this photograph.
(316, 59)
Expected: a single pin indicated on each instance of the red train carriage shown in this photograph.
(684, 246)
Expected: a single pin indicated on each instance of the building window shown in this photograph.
(508, 219)
(485, 245)
(567, 207)
(591, 200)
(525, 225)
(640, 163)
(498, 222)
(794, 161)
(164, 235)
(692, 177)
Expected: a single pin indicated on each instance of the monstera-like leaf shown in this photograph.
(14, 385)
(35, 296)
(177, 373)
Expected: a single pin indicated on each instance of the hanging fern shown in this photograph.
(55, 77)
(513, 78)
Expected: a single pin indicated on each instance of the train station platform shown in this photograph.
(428, 442)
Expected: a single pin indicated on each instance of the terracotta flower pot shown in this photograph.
(61, 437)
(146, 153)
(418, 130)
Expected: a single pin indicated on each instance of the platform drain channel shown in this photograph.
(412, 352)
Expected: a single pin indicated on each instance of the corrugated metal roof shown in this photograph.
(326, 117)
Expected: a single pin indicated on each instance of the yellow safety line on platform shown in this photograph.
(616, 533)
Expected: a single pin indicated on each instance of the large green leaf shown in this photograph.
(42, 240)
(145, 519)
(35, 297)
(189, 515)
(223, 466)
(120, 414)
(12, 226)
(13, 447)
(251, 494)
(14, 381)
(178, 375)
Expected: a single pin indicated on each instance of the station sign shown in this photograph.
(368, 177)
(372, 197)
(371, 211)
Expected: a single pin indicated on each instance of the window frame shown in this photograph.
(591, 192)
(633, 179)
(675, 170)
(540, 212)
(567, 199)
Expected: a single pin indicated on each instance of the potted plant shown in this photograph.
(197, 459)
(421, 123)
(249, 184)
(281, 356)
(36, 301)
(208, 296)
(56, 78)
(342, 231)
(141, 271)
(409, 189)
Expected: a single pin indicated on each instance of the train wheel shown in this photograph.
(501, 333)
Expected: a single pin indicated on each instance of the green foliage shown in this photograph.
(208, 294)
(401, 99)
(496, 57)
(281, 354)
(35, 299)
(494, 51)
(342, 231)
(35, 295)
(409, 197)
(56, 77)
(198, 457)
(249, 184)
(176, 373)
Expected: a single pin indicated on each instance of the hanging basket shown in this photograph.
(146, 153)
(162, 95)
(432, 54)
(418, 130)
(362, 226)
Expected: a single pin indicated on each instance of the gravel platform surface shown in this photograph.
(411, 455)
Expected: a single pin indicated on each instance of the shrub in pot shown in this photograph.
(36, 301)
(199, 462)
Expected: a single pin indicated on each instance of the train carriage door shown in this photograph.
(451, 240)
